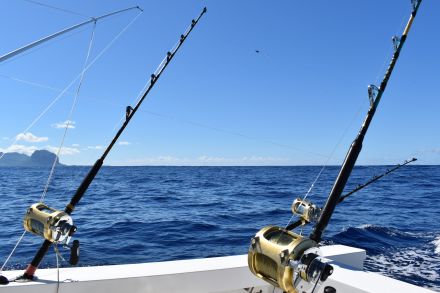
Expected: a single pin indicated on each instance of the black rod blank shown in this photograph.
(356, 146)
(374, 179)
(32, 267)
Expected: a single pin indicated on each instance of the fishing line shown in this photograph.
(53, 102)
(344, 133)
(94, 60)
(156, 72)
(230, 132)
(351, 122)
(57, 257)
(138, 97)
(74, 80)
(13, 250)
(355, 116)
(330, 157)
(177, 119)
(202, 125)
(384, 66)
(198, 124)
(69, 116)
(56, 8)
(346, 129)
(91, 175)
(60, 147)
(111, 42)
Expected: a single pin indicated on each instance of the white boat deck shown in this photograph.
(220, 274)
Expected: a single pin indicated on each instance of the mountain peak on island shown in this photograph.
(39, 158)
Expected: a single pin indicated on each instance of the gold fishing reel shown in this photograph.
(271, 251)
(306, 210)
(51, 224)
(287, 260)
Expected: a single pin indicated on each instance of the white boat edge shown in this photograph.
(217, 274)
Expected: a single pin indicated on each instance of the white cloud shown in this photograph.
(28, 150)
(160, 160)
(435, 151)
(124, 143)
(94, 147)
(18, 148)
(29, 137)
(243, 161)
(210, 161)
(68, 123)
(75, 145)
(67, 151)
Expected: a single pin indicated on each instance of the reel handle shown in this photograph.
(74, 253)
(3, 280)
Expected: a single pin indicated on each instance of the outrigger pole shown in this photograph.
(32, 267)
(375, 94)
(47, 38)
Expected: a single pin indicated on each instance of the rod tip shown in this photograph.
(205, 9)
(138, 7)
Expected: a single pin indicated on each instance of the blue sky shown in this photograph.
(219, 102)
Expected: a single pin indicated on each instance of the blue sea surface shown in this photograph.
(147, 214)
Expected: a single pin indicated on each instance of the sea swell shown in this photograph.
(148, 214)
(410, 256)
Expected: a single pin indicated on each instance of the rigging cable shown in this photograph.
(53, 102)
(32, 83)
(69, 116)
(75, 79)
(56, 8)
(61, 144)
(68, 188)
(164, 116)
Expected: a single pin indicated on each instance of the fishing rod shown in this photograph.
(292, 261)
(375, 95)
(56, 226)
(314, 211)
(49, 37)
(374, 179)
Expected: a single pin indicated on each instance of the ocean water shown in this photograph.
(146, 214)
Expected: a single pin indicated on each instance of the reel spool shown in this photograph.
(53, 225)
(285, 259)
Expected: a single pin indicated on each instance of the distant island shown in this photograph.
(39, 158)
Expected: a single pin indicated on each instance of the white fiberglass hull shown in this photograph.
(220, 274)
